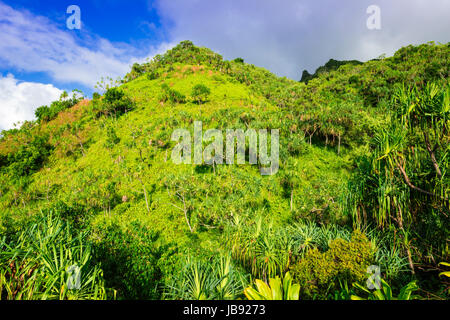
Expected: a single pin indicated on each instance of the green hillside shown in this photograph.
(363, 180)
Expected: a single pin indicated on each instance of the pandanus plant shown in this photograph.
(49, 261)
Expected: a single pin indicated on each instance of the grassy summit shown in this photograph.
(353, 167)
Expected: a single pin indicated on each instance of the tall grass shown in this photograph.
(211, 279)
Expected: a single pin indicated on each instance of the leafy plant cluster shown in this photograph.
(403, 182)
(48, 113)
(134, 260)
(171, 95)
(28, 159)
(207, 279)
(276, 290)
(49, 260)
(199, 94)
(114, 103)
(344, 261)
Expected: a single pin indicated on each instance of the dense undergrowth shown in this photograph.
(363, 181)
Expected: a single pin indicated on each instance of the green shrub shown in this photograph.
(115, 102)
(200, 93)
(111, 138)
(45, 113)
(72, 214)
(152, 75)
(347, 261)
(171, 95)
(3, 161)
(29, 158)
(133, 260)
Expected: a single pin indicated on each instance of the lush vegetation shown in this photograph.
(47, 113)
(90, 189)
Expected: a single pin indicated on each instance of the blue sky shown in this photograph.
(40, 56)
(114, 20)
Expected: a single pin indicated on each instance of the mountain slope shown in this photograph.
(106, 163)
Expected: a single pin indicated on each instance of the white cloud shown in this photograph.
(34, 44)
(31, 43)
(18, 100)
(282, 36)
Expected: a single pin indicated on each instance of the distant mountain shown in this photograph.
(331, 65)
